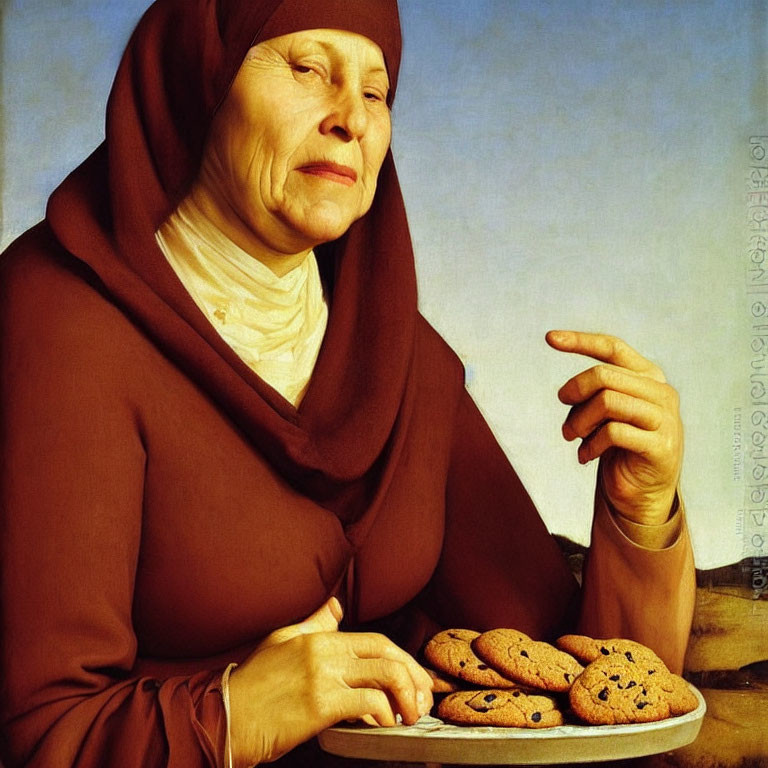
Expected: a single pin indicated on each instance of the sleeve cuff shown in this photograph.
(651, 537)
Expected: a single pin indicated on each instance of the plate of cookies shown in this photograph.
(503, 698)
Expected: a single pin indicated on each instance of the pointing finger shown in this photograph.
(607, 349)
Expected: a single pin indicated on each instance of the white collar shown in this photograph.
(275, 324)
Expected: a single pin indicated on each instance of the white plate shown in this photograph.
(432, 741)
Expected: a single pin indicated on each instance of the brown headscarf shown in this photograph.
(175, 72)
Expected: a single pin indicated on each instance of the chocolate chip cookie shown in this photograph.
(500, 707)
(614, 689)
(442, 683)
(587, 649)
(529, 662)
(679, 694)
(450, 652)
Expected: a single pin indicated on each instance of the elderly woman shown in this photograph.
(222, 414)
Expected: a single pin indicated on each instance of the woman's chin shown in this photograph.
(323, 222)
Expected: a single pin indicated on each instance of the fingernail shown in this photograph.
(335, 607)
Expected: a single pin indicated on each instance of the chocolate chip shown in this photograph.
(567, 677)
(524, 653)
(645, 693)
(628, 654)
(516, 694)
(454, 636)
(490, 697)
(536, 717)
(481, 709)
(651, 671)
(482, 666)
(614, 677)
(603, 695)
(631, 684)
(641, 704)
(605, 651)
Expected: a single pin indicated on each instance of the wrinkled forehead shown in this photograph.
(335, 43)
(245, 24)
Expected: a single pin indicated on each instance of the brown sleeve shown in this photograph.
(71, 483)
(644, 594)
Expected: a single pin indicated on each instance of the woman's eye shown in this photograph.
(308, 68)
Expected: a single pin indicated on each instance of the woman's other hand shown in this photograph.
(627, 415)
(307, 677)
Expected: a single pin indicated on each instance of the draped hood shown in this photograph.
(176, 70)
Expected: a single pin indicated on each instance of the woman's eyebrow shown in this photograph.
(331, 48)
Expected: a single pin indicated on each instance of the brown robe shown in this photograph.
(163, 508)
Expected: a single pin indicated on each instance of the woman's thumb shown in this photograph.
(325, 619)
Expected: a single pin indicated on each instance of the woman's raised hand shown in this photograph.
(307, 677)
(627, 415)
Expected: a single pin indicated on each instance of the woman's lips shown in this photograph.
(342, 174)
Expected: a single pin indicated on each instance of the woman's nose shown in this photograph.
(347, 117)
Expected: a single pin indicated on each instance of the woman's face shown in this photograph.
(296, 147)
